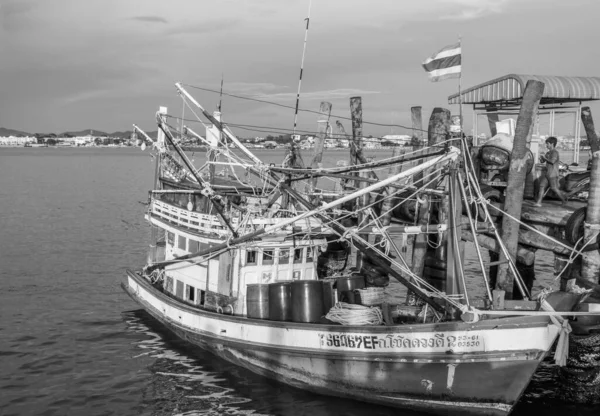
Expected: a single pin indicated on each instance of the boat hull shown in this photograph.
(400, 366)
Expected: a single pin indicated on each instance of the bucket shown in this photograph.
(257, 301)
(307, 301)
(350, 283)
(280, 301)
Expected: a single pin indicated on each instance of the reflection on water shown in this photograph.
(179, 385)
(189, 381)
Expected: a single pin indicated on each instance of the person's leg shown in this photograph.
(542, 191)
(556, 189)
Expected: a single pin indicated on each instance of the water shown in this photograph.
(71, 341)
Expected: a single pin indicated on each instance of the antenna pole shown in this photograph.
(221, 93)
(301, 67)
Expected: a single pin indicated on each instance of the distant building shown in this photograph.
(16, 141)
(398, 139)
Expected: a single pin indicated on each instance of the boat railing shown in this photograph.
(207, 223)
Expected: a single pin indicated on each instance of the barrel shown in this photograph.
(307, 301)
(328, 295)
(350, 283)
(280, 301)
(257, 301)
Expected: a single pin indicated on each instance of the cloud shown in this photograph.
(150, 19)
(83, 96)
(339, 93)
(12, 8)
(204, 27)
(473, 9)
(14, 14)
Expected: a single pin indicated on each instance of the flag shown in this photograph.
(444, 64)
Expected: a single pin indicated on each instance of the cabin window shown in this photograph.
(181, 241)
(194, 246)
(169, 284)
(190, 293)
(309, 254)
(251, 257)
(179, 289)
(284, 257)
(170, 238)
(200, 296)
(267, 257)
(298, 255)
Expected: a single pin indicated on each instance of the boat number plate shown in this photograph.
(400, 342)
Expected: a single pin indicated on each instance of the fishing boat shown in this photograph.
(233, 268)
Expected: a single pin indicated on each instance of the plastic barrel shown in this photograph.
(257, 301)
(307, 301)
(328, 295)
(280, 301)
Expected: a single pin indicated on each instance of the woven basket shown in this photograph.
(371, 296)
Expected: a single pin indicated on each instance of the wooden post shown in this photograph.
(516, 181)
(590, 262)
(439, 126)
(323, 124)
(417, 124)
(417, 131)
(356, 113)
(588, 124)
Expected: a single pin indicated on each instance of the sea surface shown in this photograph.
(73, 343)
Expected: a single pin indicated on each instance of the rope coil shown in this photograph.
(349, 314)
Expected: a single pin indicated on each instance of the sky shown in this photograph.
(73, 64)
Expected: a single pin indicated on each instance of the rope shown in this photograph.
(349, 314)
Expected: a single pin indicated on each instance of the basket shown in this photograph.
(371, 296)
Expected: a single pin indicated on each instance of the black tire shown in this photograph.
(493, 194)
(406, 210)
(574, 226)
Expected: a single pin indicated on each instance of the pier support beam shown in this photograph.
(590, 266)
(516, 181)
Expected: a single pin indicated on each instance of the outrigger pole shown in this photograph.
(451, 155)
(188, 164)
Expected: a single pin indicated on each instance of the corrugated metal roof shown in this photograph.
(510, 89)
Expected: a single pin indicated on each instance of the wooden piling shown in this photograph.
(417, 133)
(319, 146)
(516, 181)
(590, 264)
(417, 124)
(357, 139)
(590, 131)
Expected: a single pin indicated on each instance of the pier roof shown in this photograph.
(508, 90)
